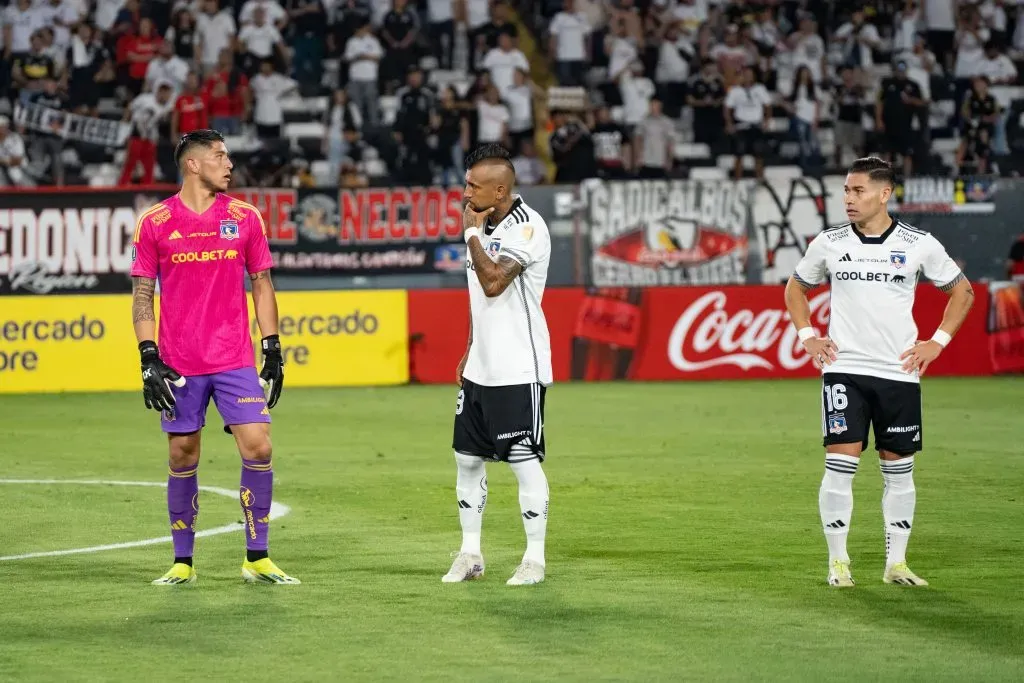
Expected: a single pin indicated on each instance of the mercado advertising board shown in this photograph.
(667, 232)
(369, 231)
(69, 242)
(87, 343)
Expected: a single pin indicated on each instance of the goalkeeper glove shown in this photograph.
(272, 375)
(157, 378)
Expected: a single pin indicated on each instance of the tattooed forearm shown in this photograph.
(494, 277)
(262, 275)
(143, 290)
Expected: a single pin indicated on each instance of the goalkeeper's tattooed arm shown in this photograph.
(264, 301)
(494, 276)
(143, 316)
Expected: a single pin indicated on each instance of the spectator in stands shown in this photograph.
(971, 37)
(627, 13)
(349, 15)
(363, 53)
(571, 148)
(613, 153)
(215, 32)
(672, 70)
(529, 169)
(478, 17)
(308, 28)
(49, 144)
(940, 21)
(90, 70)
(805, 110)
(980, 114)
(12, 157)
(905, 27)
(569, 45)
(993, 16)
(352, 167)
(342, 115)
(190, 111)
(20, 21)
(412, 123)
(655, 143)
(622, 55)
(747, 111)
(706, 95)
(127, 21)
(492, 118)
(135, 51)
(503, 61)
(921, 58)
(858, 39)
(452, 134)
(732, 57)
(182, 36)
(269, 87)
(400, 31)
(491, 32)
(166, 67)
(997, 66)
(519, 99)
(441, 17)
(33, 69)
(60, 16)
(899, 101)
(275, 13)
(145, 113)
(106, 14)
(637, 91)
(52, 50)
(227, 95)
(261, 41)
(849, 125)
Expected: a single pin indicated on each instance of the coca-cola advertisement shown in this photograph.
(1006, 326)
(667, 232)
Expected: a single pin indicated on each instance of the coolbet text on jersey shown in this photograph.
(873, 280)
(200, 261)
(510, 334)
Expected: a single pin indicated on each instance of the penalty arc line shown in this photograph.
(277, 510)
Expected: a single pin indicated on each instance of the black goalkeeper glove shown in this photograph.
(157, 378)
(272, 375)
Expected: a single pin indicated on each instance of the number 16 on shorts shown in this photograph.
(833, 405)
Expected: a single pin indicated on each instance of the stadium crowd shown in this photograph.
(353, 91)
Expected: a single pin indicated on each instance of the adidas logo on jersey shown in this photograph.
(175, 235)
(846, 257)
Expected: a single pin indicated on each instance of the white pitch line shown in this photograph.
(277, 510)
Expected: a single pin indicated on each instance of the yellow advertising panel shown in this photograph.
(87, 342)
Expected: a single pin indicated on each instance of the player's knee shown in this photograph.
(184, 453)
(258, 448)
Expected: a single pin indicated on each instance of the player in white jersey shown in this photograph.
(499, 413)
(871, 358)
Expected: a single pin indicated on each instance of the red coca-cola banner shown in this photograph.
(674, 333)
(1006, 327)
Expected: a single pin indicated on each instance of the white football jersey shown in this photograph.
(873, 281)
(510, 334)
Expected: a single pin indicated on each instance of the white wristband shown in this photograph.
(805, 333)
(941, 338)
(470, 232)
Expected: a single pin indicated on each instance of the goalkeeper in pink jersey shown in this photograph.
(200, 244)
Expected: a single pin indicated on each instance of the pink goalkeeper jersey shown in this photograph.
(201, 261)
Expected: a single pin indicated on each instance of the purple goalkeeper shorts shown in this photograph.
(236, 393)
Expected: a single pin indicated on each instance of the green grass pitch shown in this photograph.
(683, 544)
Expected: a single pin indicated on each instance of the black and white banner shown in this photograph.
(73, 126)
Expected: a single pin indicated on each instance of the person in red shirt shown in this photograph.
(135, 51)
(190, 110)
(227, 95)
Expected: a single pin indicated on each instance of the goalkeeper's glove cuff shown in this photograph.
(272, 345)
(148, 350)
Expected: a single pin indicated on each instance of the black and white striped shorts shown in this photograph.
(503, 423)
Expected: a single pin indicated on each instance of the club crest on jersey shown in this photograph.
(837, 424)
(229, 230)
(898, 259)
(493, 247)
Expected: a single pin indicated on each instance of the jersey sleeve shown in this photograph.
(523, 243)
(938, 267)
(145, 260)
(813, 267)
(257, 249)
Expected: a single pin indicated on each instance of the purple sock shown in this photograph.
(183, 508)
(255, 493)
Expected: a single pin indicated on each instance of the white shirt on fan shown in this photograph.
(571, 31)
(511, 344)
(274, 11)
(23, 25)
(440, 10)
(873, 282)
(747, 104)
(260, 40)
(503, 65)
(492, 119)
(267, 91)
(363, 69)
(215, 33)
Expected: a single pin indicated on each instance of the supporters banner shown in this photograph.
(371, 231)
(1006, 326)
(667, 232)
(87, 343)
(673, 333)
(73, 241)
(70, 126)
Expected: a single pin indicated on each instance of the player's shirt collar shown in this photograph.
(874, 239)
(490, 228)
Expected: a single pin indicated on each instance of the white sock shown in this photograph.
(533, 502)
(471, 489)
(835, 502)
(898, 499)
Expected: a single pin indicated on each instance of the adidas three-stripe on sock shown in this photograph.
(471, 489)
(899, 498)
(835, 502)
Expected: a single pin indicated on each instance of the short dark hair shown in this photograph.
(204, 137)
(490, 151)
(877, 170)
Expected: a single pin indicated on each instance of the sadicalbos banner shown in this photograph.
(87, 343)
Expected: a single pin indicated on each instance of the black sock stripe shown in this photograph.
(841, 470)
